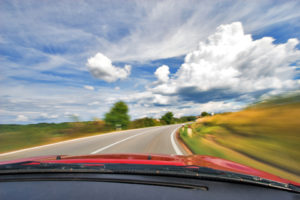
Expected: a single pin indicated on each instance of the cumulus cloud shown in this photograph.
(22, 118)
(162, 73)
(101, 67)
(45, 116)
(89, 87)
(230, 64)
(161, 100)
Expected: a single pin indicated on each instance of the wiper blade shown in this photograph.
(35, 166)
(190, 171)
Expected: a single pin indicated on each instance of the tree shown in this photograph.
(168, 118)
(143, 122)
(187, 118)
(118, 115)
(204, 114)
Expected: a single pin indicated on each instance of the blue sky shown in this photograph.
(64, 58)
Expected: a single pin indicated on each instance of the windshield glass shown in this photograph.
(215, 79)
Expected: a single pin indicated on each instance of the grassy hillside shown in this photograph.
(13, 137)
(265, 136)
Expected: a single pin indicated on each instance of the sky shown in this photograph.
(66, 58)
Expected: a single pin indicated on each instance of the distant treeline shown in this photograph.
(119, 118)
(147, 121)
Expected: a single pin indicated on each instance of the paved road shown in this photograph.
(155, 140)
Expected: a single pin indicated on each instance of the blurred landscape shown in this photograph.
(266, 136)
(15, 137)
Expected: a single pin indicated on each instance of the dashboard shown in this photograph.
(121, 186)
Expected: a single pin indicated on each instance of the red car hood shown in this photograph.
(150, 159)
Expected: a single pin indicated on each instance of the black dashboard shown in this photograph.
(119, 186)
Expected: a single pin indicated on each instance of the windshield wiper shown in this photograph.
(41, 167)
(163, 170)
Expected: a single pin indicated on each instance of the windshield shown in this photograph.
(216, 82)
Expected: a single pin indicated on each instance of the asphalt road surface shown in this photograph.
(154, 140)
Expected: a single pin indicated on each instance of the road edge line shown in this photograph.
(175, 147)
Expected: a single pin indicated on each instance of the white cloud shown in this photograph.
(177, 32)
(63, 100)
(161, 100)
(175, 27)
(101, 67)
(94, 103)
(230, 63)
(69, 114)
(47, 116)
(21, 118)
(162, 73)
(89, 87)
(218, 106)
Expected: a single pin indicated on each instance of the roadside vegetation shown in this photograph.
(14, 137)
(266, 136)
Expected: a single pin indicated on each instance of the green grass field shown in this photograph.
(265, 136)
(14, 137)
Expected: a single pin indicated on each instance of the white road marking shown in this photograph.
(175, 147)
(113, 144)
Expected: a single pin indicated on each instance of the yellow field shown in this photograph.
(266, 137)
